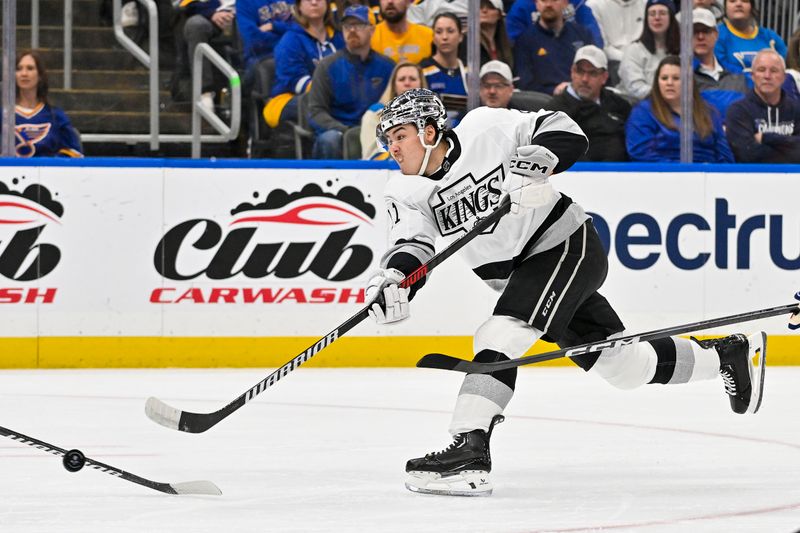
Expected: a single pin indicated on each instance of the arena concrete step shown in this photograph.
(94, 37)
(51, 12)
(91, 59)
(132, 122)
(136, 78)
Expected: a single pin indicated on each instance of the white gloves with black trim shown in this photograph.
(390, 301)
(528, 183)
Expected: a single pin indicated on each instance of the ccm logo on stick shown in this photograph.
(602, 346)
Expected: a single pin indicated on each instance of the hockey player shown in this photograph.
(544, 258)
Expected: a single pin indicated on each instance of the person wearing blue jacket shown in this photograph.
(740, 37)
(345, 84)
(544, 52)
(765, 126)
(40, 129)
(652, 132)
(261, 24)
(303, 46)
(524, 13)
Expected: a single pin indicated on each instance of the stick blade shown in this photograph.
(442, 362)
(163, 414)
(196, 487)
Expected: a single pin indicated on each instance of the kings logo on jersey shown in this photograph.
(466, 200)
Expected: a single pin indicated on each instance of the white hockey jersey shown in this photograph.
(469, 185)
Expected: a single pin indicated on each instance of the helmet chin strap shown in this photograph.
(428, 149)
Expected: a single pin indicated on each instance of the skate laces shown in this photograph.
(457, 440)
(729, 380)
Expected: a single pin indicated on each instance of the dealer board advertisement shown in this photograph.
(262, 255)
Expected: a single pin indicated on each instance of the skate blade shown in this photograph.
(757, 355)
(464, 484)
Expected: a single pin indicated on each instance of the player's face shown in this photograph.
(27, 74)
(446, 36)
(669, 83)
(407, 78)
(406, 148)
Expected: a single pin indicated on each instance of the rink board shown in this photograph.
(237, 264)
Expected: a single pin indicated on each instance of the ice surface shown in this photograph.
(325, 449)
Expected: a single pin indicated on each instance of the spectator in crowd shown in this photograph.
(405, 76)
(444, 71)
(398, 38)
(653, 129)
(204, 20)
(261, 23)
(718, 86)
(765, 126)
(740, 37)
(496, 85)
(543, 54)
(621, 23)
(41, 130)
(346, 83)
(793, 53)
(715, 6)
(302, 47)
(524, 14)
(426, 11)
(660, 37)
(600, 112)
(494, 38)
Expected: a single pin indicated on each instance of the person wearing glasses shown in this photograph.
(599, 111)
(345, 84)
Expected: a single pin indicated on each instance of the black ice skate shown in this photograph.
(461, 469)
(742, 362)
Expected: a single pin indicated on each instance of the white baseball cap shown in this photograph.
(498, 4)
(701, 15)
(593, 55)
(497, 67)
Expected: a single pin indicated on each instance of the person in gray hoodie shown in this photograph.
(765, 126)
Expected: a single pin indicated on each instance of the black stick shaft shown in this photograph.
(447, 362)
(187, 421)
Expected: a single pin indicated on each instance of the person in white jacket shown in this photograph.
(660, 38)
(620, 22)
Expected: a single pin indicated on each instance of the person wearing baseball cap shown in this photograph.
(496, 85)
(708, 72)
(660, 37)
(600, 112)
(345, 84)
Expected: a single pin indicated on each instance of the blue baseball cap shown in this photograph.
(668, 3)
(357, 11)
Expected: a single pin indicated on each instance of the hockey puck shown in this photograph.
(74, 460)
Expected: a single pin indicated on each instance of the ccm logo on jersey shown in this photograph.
(528, 166)
(602, 346)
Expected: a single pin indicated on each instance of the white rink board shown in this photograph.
(107, 284)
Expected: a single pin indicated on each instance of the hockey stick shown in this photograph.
(448, 362)
(189, 487)
(173, 418)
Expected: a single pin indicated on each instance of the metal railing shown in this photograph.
(227, 133)
(781, 16)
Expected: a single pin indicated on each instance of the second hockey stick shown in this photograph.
(448, 362)
(173, 418)
(190, 487)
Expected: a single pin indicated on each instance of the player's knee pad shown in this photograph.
(507, 335)
(627, 367)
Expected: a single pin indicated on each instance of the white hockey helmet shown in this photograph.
(415, 106)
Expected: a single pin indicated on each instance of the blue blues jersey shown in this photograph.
(45, 131)
(442, 80)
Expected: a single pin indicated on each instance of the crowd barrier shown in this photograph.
(162, 263)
